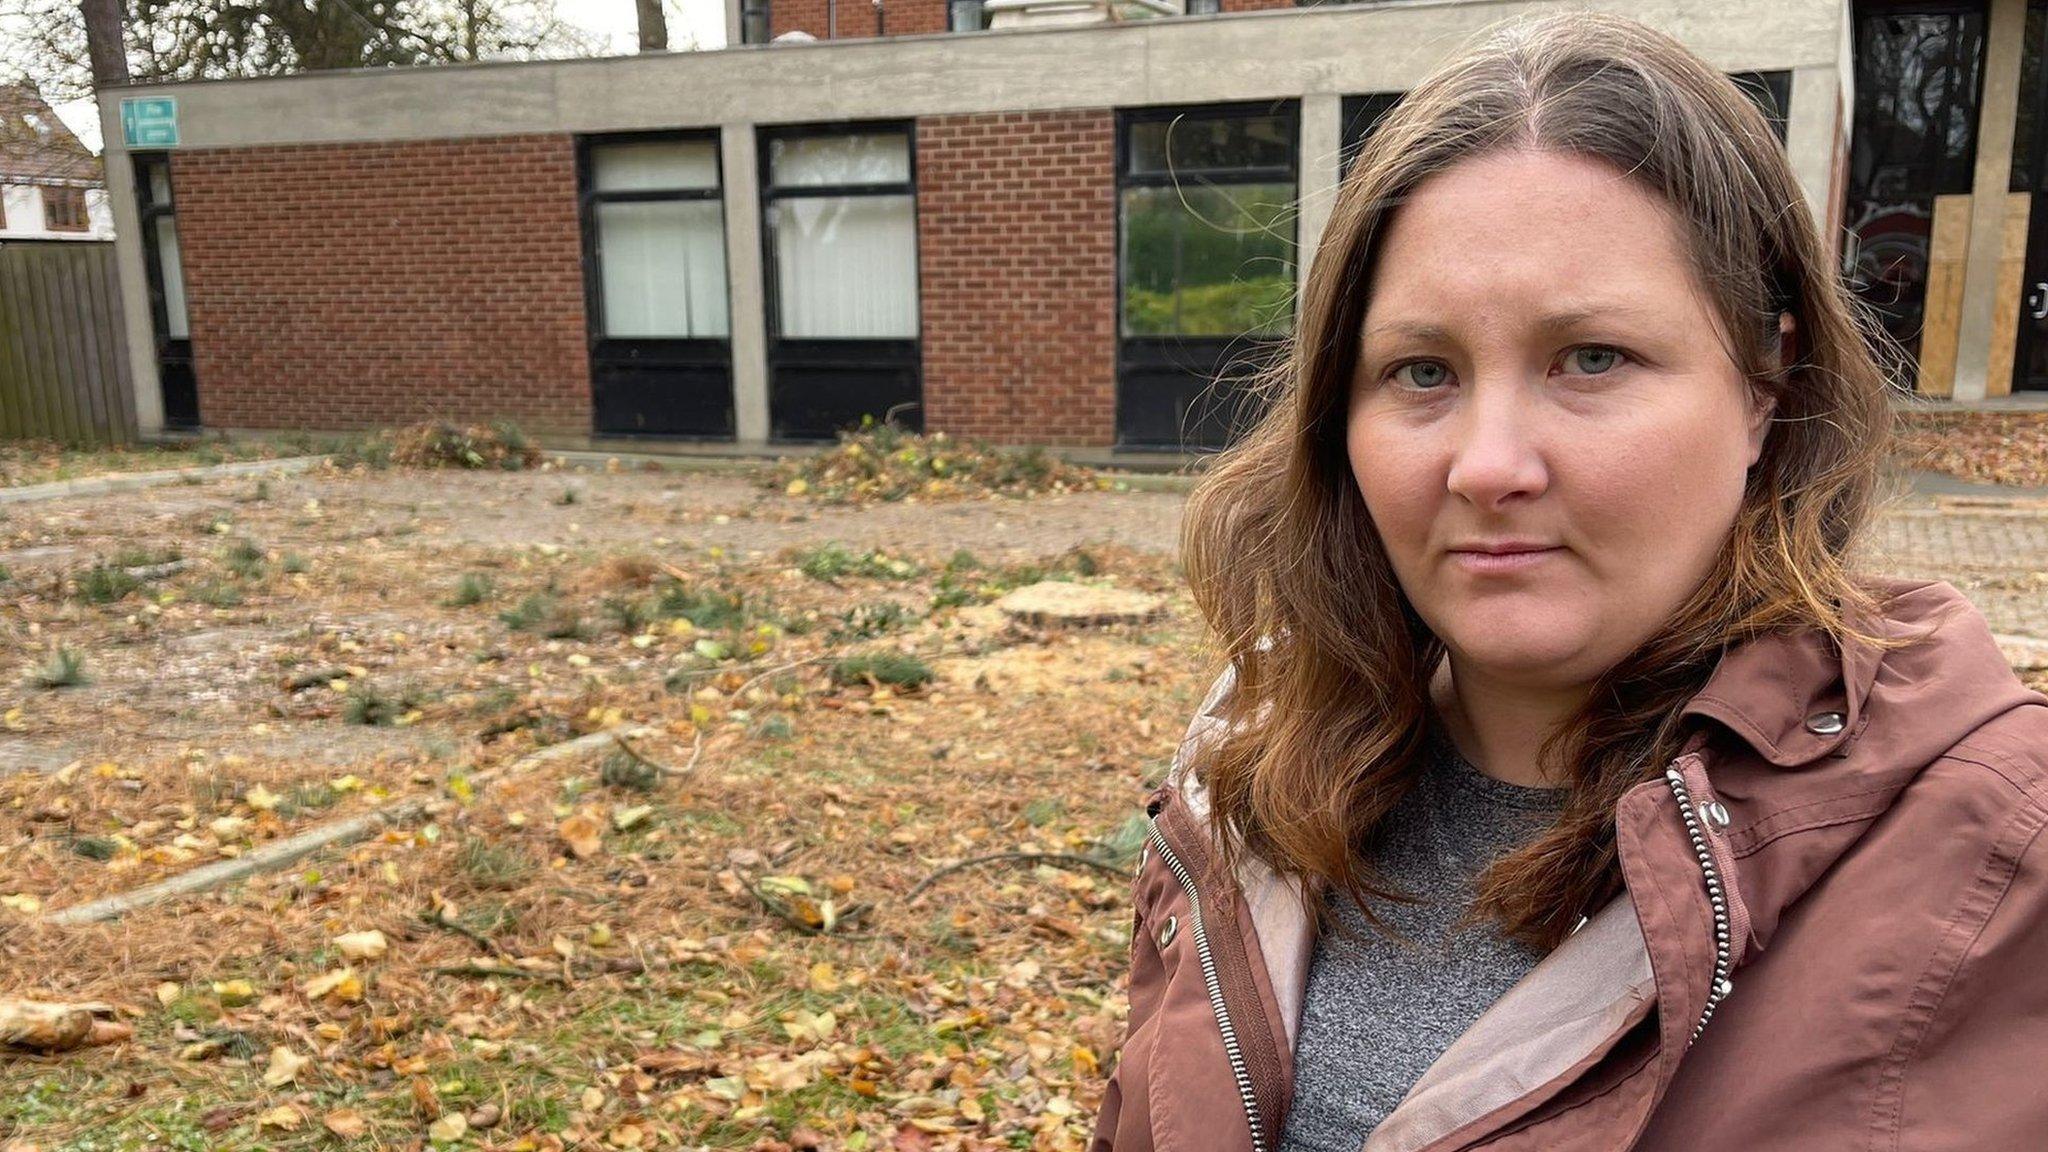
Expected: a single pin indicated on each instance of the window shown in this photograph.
(1204, 7)
(1772, 93)
(842, 224)
(839, 225)
(754, 24)
(64, 209)
(160, 230)
(177, 383)
(1205, 266)
(1918, 79)
(1207, 218)
(1361, 115)
(658, 239)
(965, 16)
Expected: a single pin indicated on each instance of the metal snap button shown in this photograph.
(1169, 930)
(1825, 723)
(1714, 813)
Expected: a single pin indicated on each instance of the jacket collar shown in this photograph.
(1795, 696)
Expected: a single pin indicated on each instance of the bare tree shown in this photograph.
(44, 43)
(653, 25)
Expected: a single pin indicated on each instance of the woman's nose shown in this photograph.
(1495, 451)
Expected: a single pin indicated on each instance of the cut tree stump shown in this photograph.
(1057, 604)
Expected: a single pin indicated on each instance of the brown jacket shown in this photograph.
(1848, 913)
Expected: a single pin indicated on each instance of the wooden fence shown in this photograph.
(63, 365)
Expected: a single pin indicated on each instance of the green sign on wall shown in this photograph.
(149, 122)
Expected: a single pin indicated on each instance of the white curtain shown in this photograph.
(173, 270)
(662, 268)
(874, 158)
(846, 266)
(654, 165)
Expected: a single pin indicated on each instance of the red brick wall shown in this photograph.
(856, 18)
(1016, 218)
(356, 285)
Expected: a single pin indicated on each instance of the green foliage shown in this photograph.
(832, 561)
(703, 607)
(896, 669)
(631, 613)
(216, 594)
(876, 618)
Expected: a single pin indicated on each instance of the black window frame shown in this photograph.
(1148, 367)
(636, 381)
(805, 403)
(1203, 7)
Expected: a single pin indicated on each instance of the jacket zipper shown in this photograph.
(1239, 1071)
(1717, 896)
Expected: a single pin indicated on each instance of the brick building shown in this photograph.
(1012, 219)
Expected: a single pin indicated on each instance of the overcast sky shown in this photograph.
(611, 20)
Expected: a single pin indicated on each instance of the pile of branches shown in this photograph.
(882, 462)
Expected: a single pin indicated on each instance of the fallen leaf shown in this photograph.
(583, 834)
(346, 1123)
(369, 945)
(285, 1066)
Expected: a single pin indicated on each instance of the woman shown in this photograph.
(1565, 788)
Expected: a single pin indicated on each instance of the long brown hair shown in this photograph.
(1325, 725)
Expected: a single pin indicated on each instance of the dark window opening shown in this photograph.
(1206, 266)
(163, 264)
(1919, 75)
(64, 209)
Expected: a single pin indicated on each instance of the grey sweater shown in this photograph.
(1377, 1013)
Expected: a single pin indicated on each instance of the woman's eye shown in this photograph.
(1422, 374)
(1593, 359)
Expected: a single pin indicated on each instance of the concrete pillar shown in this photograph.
(1322, 136)
(138, 321)
(740, 174)
(1810, 135)
(1996, 116)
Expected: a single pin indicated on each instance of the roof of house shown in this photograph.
(36, 147)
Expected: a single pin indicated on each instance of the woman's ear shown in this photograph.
(1763, 403)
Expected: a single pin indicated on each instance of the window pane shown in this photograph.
(160, 185)
(1209, 143)
(654, 164)
(1208, 261)
(845, 266)
(661, 265)
(875, 158)
(173, 270)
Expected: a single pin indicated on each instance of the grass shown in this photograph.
(472, 589)
(104, 584)
(546, 615)
(65, 668)
(492, 867)
(622, 770)
(895, 669)
(366, 703)
(833, 562)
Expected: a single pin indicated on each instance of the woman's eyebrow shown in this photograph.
(1553, 321)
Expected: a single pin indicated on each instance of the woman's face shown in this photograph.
(1541, 372)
